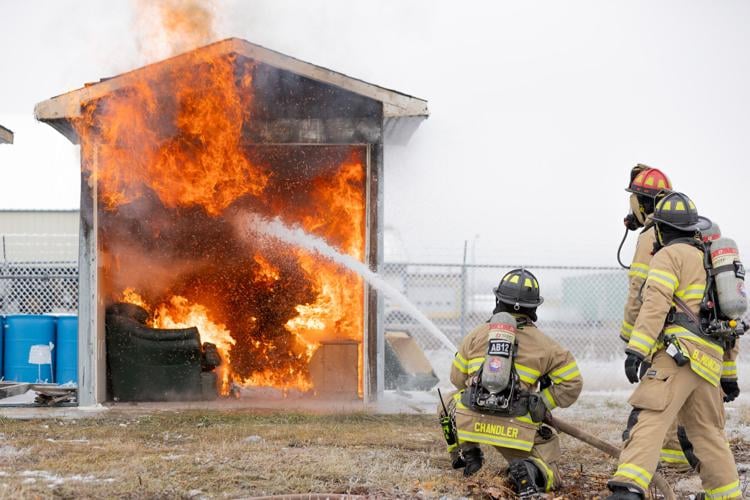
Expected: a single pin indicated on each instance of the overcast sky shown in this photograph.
(538, 109)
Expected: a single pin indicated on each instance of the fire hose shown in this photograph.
(658, 480)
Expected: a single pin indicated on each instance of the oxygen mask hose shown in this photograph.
(619, 249)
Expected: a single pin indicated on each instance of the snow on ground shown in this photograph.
(55, 479)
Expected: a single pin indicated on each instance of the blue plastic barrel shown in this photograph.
(21, 333)
(66, 350)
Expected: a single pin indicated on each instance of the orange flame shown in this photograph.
(130, 296)
(336, 312)
(168, 157)
(266, 272)
(187, 151)
(179, 313)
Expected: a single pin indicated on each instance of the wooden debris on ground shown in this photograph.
(55, 396)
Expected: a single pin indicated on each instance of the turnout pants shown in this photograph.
(672, 453)
(545, 453)
(666, 392)
(671, 450)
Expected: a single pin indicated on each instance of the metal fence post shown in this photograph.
(463, 292)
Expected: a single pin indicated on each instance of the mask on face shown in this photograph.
(636, 209)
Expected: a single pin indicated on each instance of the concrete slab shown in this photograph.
(44, 412)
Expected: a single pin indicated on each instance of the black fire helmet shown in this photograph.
(519, 288)
(678, 211)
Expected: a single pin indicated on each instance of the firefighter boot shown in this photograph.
(457, 461)
(526, 478)
(474, 460)
(624, 493)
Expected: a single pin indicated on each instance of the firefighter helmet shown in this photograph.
(648, 181)
(519, 288)
(678, 211)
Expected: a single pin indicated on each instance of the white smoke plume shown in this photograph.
(165, 28)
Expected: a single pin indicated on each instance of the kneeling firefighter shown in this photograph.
(688, 332)
(509, 375)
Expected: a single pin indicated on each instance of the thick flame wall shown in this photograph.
(176, 181)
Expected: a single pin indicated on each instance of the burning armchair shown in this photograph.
(152, 364)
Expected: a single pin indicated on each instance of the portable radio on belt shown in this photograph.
(446, 424)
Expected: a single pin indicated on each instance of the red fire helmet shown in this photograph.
(648, 181)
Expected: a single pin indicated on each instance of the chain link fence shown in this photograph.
(582, 309)
(39, 274)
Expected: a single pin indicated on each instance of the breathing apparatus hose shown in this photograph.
(619, 249)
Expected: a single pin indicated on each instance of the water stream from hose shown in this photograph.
(296, 236)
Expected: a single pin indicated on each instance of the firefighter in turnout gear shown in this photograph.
(686, 365)
(645, 184)
(509, 375)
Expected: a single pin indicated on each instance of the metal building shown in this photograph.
(39, 235)
(38, 261)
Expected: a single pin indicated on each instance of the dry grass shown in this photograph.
(192, 454)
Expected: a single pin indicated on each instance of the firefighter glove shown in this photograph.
(632, 365)
(644, 368)
(731, 390)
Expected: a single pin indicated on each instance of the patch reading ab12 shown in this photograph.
(499, 347)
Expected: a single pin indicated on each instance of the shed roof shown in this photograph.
(6, 135)
(58, 111)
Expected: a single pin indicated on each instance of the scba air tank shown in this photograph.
(729, 278)
(711, 234)
(498, 363)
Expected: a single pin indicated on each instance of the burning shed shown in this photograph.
(186, 163)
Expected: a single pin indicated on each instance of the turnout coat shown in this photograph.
(538, 358)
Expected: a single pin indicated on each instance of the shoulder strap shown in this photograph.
(685, 309)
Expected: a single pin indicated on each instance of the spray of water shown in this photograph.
(296, 236)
